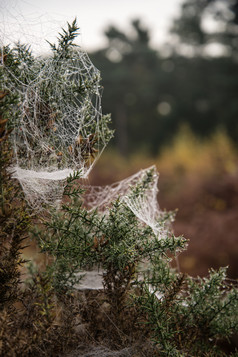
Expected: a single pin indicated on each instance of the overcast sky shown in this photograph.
(36, 20)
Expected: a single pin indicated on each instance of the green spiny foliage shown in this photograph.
(58, 97)
(32, 320)
(65, 39)
(115, 240)
(183, 316)
(14, 219)
(186, 315)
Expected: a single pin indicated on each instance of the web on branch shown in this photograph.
(139, 192)
(60, 127)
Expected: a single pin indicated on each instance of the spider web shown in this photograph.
(59, 128)
(143, 204)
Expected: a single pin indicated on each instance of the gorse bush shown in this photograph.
(188, 315)
(114, 240)
(183, 314)
(143, 299)
(59, 126)
(14, 218)
(33, 321)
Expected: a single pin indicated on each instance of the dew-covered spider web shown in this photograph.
(59, 127)
(138, 192)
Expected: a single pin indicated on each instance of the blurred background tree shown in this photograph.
(193, 80)
(129, 68)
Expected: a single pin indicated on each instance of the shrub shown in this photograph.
(143, 297)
